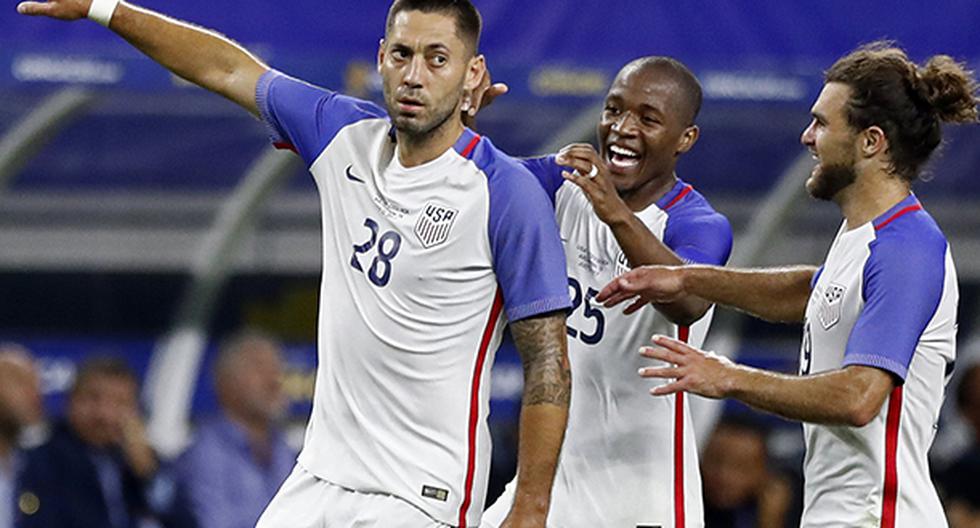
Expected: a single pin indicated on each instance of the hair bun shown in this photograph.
(949, 88)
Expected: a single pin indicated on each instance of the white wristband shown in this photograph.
(101, 11)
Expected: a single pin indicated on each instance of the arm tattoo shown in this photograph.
(542, 343)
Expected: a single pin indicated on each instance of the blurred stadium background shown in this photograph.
(144, 217)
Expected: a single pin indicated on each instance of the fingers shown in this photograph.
(635, 306)
(34, 8)
(659, 372)
(668, 389)
(675, 345)
(663, 354)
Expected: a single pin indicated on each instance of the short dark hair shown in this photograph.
(103, 366)
(908, 102)
(679, 74)
(469, 24)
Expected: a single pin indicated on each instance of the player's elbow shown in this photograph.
(861, 410)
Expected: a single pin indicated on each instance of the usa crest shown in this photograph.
(434, 224)
(622, 264)
(829, 309)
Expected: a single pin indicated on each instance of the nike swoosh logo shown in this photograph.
(351, 177)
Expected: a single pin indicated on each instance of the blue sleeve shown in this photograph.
(699, 236)
(548, 173)
(902, 287)
(306, 118)
(527, 253)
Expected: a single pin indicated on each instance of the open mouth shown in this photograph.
(622, 158)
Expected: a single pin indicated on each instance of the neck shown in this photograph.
(647, 194)
(257, 431)
(870, 196)
(418, 149)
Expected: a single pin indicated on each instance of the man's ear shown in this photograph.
(873, 142)
(381, 54)
(475, 72)
(688, 139)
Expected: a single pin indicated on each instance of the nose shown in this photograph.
(624, 124)
(414, 72)
(807, 137)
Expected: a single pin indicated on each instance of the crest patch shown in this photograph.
(622, 264)
(828, 310)
(434, 224)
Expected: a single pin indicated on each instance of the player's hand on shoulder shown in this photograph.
(589, 172)
(60, 9)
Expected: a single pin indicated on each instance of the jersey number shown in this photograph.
(591, 312)
(387, 248)
(807, 357)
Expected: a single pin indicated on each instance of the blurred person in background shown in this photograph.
(97, 469)
(21, 407)
(959, 482)
(740, 489)
(239, 459)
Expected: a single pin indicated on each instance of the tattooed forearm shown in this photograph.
(543, 345)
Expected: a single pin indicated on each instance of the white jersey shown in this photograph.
(886, 297)
(629, 459)
(422, 268)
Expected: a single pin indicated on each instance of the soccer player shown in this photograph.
(879, 317)
(433, 241)
(626, 462)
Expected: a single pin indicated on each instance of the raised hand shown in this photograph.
(59, 9)
(693, 369)
(643, 285)
(591, 175)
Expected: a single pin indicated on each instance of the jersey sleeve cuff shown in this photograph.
(262, 102)
(868, 360)
(551, 304)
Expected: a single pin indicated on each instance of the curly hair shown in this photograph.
(907, 101)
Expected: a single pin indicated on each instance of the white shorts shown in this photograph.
(305, 501)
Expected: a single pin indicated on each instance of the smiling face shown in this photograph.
(645, 126)
(832, 142)
(425, 66)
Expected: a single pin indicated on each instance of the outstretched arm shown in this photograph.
(773, 294)
(198, 55)
(852, 395)
(542, 344)
(638, 243)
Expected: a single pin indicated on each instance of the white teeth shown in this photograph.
(623, 152)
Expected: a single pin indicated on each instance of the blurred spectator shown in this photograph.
(740, 491)
(959, 482)
(20, 407)
(97, 469)
(239, 459)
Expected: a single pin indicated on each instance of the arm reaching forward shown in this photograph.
(542, 344)
(777, 294)
(198, 55)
